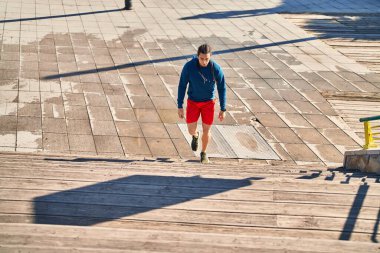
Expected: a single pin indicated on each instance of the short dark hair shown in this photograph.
(204, 49)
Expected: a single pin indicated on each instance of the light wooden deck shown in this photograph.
(59, 204)
(356, 36)
(351, 106)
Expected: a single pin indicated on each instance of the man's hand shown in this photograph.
(181, 114)
(222, 115)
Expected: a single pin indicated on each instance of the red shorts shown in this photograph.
(195, 109)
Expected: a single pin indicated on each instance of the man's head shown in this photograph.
(204, 54)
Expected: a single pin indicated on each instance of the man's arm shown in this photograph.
(183, 81)
(222, 92)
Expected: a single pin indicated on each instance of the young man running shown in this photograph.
(204, 76)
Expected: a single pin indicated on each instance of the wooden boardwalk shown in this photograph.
(351, 106)
(352, 111)
(65, 204)
(356, 36)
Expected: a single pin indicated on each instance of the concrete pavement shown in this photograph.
(90, 78)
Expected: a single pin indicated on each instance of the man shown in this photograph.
(204, 76)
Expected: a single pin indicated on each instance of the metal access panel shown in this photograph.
(235, 142)
(216, 147)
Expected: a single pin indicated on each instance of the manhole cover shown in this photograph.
(235, 142)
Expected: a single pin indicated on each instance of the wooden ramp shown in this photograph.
(68, 204)
(351, 106)
(355, 36)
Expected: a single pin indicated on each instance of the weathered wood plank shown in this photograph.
(327, 198)
(208, 180)
(108, 175)
(369, 98)
(100, 174)
(260, 213)
(299, 222)
(352, 102)
(56, 249)
(186, 168)
(260, 187)
(204, 228)
(134, 199)
(132, 189)
(358, 108)
(134, 245)
(78, 163)
(87, 194)
(172, 242)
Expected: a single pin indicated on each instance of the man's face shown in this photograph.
(204, 59)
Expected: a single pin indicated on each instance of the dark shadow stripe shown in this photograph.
(376, 229)
(177, 58)
(349, 225)
(120, 198)
(58, 16)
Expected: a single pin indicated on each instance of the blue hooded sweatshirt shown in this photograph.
(202, 82)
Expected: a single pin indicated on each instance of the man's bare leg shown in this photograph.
(205, 136)
(205, 140)
(192, 128)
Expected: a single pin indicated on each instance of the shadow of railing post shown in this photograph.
(353, 215)
(358, 202)
(376, 229)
